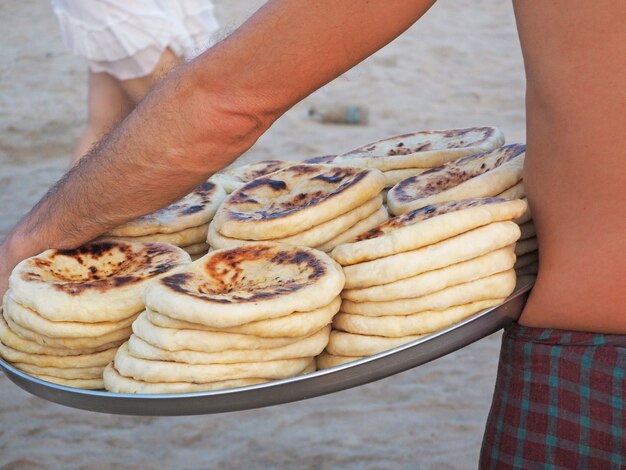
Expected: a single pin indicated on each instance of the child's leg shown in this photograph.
(107, 105)
(137, 88)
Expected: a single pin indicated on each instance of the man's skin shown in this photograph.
(575, 169)
(208, 112)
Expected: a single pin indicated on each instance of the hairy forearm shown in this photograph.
(154, 157)
(208, 112)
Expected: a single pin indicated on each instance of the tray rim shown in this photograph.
(330, 380)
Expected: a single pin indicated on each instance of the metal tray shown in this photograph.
(311, 385)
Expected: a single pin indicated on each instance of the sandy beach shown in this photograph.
(460, 66)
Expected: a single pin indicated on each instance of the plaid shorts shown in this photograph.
(558, 402)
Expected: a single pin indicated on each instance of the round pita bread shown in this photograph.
(436, 280)
(514, 192)
(195, 209)
(163, 371)
(357, 229)
(453, 250)
(393, 177)
(42, 360)
(100, 281)
(312, 237)
(87, 384)
(62, 372)
(201, 340)
(307, 347)
(299, 324)
(526, 216)
(186, 237)
(426, 226)
(483, 175)
(12, 340)
(498, 285)
(116, 383)
(326, 360)
(295, 199)
(425, 149)
(234, 178)
(31, 320)
(106, 341)
(352, 345)
(408, 325)
(249, 283)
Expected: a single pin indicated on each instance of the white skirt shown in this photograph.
(126, 38)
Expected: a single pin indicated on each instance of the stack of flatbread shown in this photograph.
(319, 206)
(66, 312)
(407, 155)
(233, 178)
(526, 247)
(235, 317)
(423, 271)
(184, 223)
(486, 174)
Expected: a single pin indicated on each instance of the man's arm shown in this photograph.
(207, 113)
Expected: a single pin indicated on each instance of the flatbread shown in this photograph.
(197, 208)
(29, 319)
(100, 281)
(352, 345)
(425, 149)
(186, 237)
(526, 246)
(163, 371)
(116, 383)
(295, 199)
(526, 216)
(62, 372)
(41, 360)
(362, 226)
(299, 324)
(12, 340)
(408, 325)
(249, 283)
(201, 340)
(514, 192)
(326, 360)
(86, 384)
(453, 250)
(233, 178)
(483, 175)
(312, 237)
(497, 285)
(393, 177)
(433, 281)
(307, 347)
(426, 226)
(106, 341)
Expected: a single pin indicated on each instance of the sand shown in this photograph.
(460, 66)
